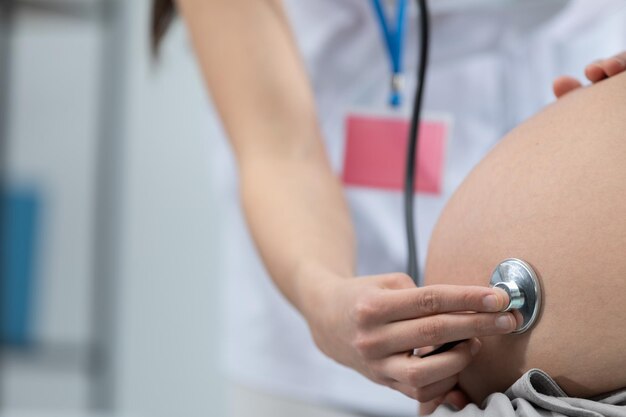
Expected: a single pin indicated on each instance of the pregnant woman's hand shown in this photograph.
(373, 324)
(596, 71)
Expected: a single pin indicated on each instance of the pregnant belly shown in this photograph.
(553, 193)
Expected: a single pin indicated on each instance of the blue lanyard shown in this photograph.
(394, 39)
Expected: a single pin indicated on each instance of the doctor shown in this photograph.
(305, 207)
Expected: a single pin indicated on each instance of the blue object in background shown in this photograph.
(17, 278)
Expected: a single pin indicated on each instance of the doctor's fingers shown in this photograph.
(403, 336)
(437, 389)
(431, 371)
(436, 299)
(604, 68)
(430, 392)
(454, 397)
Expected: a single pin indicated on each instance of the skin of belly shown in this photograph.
(553, 193)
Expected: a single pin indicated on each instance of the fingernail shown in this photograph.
(475, 347)
(505, 322)
(491, 302)
(453, 407)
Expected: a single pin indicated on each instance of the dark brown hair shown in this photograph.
(163, 12)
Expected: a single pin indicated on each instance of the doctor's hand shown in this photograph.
(595, 72)
(373, 324)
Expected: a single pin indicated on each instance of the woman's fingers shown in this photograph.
(405, 389)
(456, 398)
(403, 336)
(615, 65)
(596, 71)
(604, 68)
(437, 389)
(563, 85)
(429, 407)
(436, 299)
(422, 372)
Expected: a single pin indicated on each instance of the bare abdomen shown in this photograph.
(553, 193)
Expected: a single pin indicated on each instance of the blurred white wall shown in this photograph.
(168, 334)
(167, 323)
(52, 131)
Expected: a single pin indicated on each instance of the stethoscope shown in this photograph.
(514, 276)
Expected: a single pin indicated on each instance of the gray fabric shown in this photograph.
(535, 394)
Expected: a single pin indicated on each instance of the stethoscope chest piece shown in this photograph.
(519, 280)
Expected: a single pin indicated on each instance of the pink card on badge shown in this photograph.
(375, 152)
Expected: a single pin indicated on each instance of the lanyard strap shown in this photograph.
(394, 40)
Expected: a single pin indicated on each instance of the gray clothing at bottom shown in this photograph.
(535, 394)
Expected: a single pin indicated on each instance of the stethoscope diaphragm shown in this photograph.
(520, 281)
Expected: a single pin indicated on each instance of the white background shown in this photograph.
(165, 354)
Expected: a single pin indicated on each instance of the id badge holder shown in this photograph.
(376, 146)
